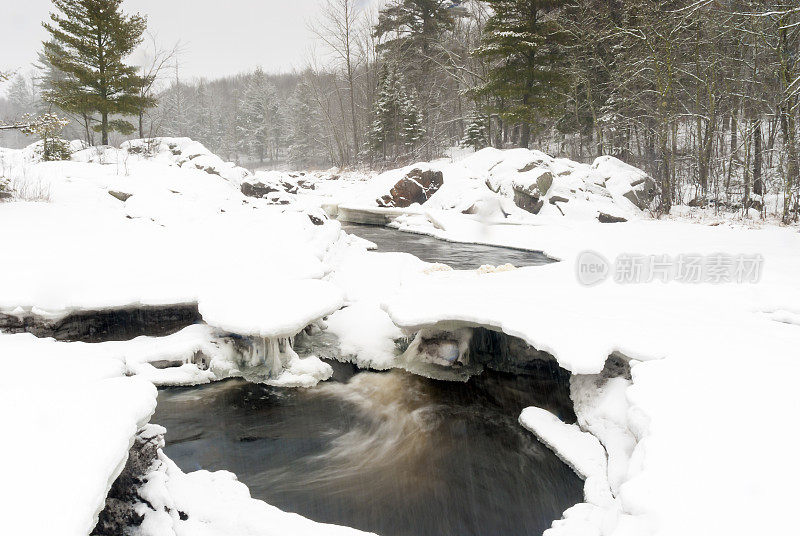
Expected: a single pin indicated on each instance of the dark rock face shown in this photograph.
(558, 199)
(106, 325)
(416, 187)
(119, 512)
(608, 218)
(529, 198)
(261, 189)
(642, 193)
(498, 351)
(529, 201)
(257, 189)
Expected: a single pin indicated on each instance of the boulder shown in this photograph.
(258, 189)
(608, 218)
(122, 196)
(642, 192)
(528, 200)
(416, 187)
(558, 199)
(544, 182)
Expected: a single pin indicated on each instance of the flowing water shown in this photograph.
(457, 255)
(389, 452)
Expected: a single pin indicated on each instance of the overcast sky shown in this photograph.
(218, 37)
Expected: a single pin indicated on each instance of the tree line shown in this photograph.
(702, 94)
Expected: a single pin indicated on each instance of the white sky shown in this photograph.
(218, 37)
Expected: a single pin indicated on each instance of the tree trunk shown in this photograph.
(525, 136)
(758, 182)
(104, 128)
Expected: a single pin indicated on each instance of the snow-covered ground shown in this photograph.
(696, 439)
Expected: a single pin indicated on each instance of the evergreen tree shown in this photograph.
(411, 120)
(526, 42)
(260, 115)
(305, 120)
(477, 132)
(21, 96)
(397, 126)
(411, 31)
(387, 113)
(79, 108)
(89, 41)
(202, 119)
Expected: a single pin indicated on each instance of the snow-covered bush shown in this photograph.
(48, 127)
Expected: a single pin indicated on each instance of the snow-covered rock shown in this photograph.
(516, 185)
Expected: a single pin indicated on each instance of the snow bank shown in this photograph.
(365, 332)
(68, 441)
(158, 233)
(270, 311)
(578, 449)
(203, 503)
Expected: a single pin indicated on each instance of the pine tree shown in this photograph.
(412, 120)
(413, 30)
(477, 132)
(259, 114)
(385, 111)
(397, 126)
(21, 96)
(202, 121)
(89, 41)
(305, 120)
(527, 43)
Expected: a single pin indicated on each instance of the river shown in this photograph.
(387, 452)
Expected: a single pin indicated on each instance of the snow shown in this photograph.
(366, 334)
(578, 449)
(270, 311)
(68, 439)
(216, 504)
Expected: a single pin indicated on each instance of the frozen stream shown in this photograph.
(391, 452)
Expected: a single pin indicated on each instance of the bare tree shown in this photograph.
(337, 27)
(158, 60)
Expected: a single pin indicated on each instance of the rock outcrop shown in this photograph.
(105, 325)
(416, 187)
(120, 513)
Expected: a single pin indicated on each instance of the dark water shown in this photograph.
(458, 256)
(391, 452)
